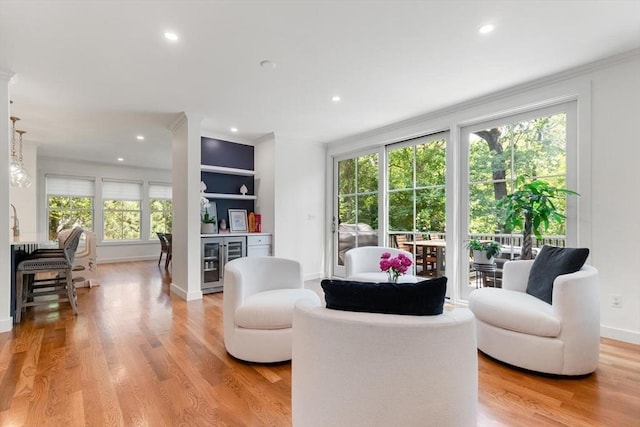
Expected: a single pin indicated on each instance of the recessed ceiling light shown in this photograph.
(120, 159)
(335, 98)
(234, 129)
(171, 36)
(486, 29)
(140, 138)
(267, 64)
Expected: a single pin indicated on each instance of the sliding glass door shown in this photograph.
(416, 201)
(355, 219)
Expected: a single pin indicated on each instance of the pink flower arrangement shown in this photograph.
(395, 266)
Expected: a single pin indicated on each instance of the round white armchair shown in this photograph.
(369, 369)
(258, 300)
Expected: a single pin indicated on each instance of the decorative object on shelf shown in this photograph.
(238, 220)
(19, 175)
(243, 190)
(203, 187)
(208, 215)
(258, 223)
(252, 222)
(223, 226)
(484, 252)
(394, 267)
(531, 207)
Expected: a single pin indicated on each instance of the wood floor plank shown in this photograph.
(138, 356)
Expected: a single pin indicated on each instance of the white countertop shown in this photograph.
(234, 234)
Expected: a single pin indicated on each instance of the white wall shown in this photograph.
(264, 164)
(186, 261)
(106, 251)
(616, 195)
(299, 204)
(608, 95)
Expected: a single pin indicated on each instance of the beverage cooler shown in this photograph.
(216, 252)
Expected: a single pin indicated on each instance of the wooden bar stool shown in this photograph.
(57, 264)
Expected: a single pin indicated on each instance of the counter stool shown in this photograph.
(56, 263)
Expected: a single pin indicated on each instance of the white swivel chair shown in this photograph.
(353, 369)
(362, 264)
(561, 338)
(258, 300)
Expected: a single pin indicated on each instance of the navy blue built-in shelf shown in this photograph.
(226, 166)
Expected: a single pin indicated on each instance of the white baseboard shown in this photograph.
(127, 259)
(313, 276)
(187, 296)
(6, 324)
(617, 334)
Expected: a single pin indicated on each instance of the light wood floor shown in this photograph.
(136, 356)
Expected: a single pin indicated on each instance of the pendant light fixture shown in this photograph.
(19, 175)
(14, 167)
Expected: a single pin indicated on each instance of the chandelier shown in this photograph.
(19, 175)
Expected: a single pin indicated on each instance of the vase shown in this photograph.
(207, 228)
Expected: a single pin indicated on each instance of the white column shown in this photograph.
(6, 321)
(185, 268)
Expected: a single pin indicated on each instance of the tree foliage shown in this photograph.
(533, 148)
(121, 219)
(67, 212)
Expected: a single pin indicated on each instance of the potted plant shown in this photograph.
(530, 208)
(208, 221)
(484, 252)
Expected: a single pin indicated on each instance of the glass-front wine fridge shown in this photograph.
(216, 252)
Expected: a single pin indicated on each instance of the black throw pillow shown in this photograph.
(419, 299)
(550, 263)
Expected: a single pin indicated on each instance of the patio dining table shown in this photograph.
(425, 246)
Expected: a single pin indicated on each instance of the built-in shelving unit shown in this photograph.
(229, 196)
(227, 171)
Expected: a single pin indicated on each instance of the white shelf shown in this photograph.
(228, 171)
(229, 196)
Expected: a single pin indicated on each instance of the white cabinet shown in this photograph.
(259, 245)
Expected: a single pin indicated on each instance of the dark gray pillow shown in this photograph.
(550, 263)
(418, 299)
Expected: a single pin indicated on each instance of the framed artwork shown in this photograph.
(238, 221)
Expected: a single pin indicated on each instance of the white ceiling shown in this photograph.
(91, 75)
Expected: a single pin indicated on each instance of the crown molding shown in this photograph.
(6, 75)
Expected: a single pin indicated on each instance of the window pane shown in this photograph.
(347, 176)
(400, 170)
(347, 210)
(161, 217)
(66, 212)
(430, 163)
(121, 220)
(401, 211)
(430, 210)
(368, 210)
(368, 173)
(483, 215)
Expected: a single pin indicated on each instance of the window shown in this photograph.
(69, 203)
(357, 204)
(416, 184)
(160, 208)
(416, 172)
(533, 145)
(121, 209)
